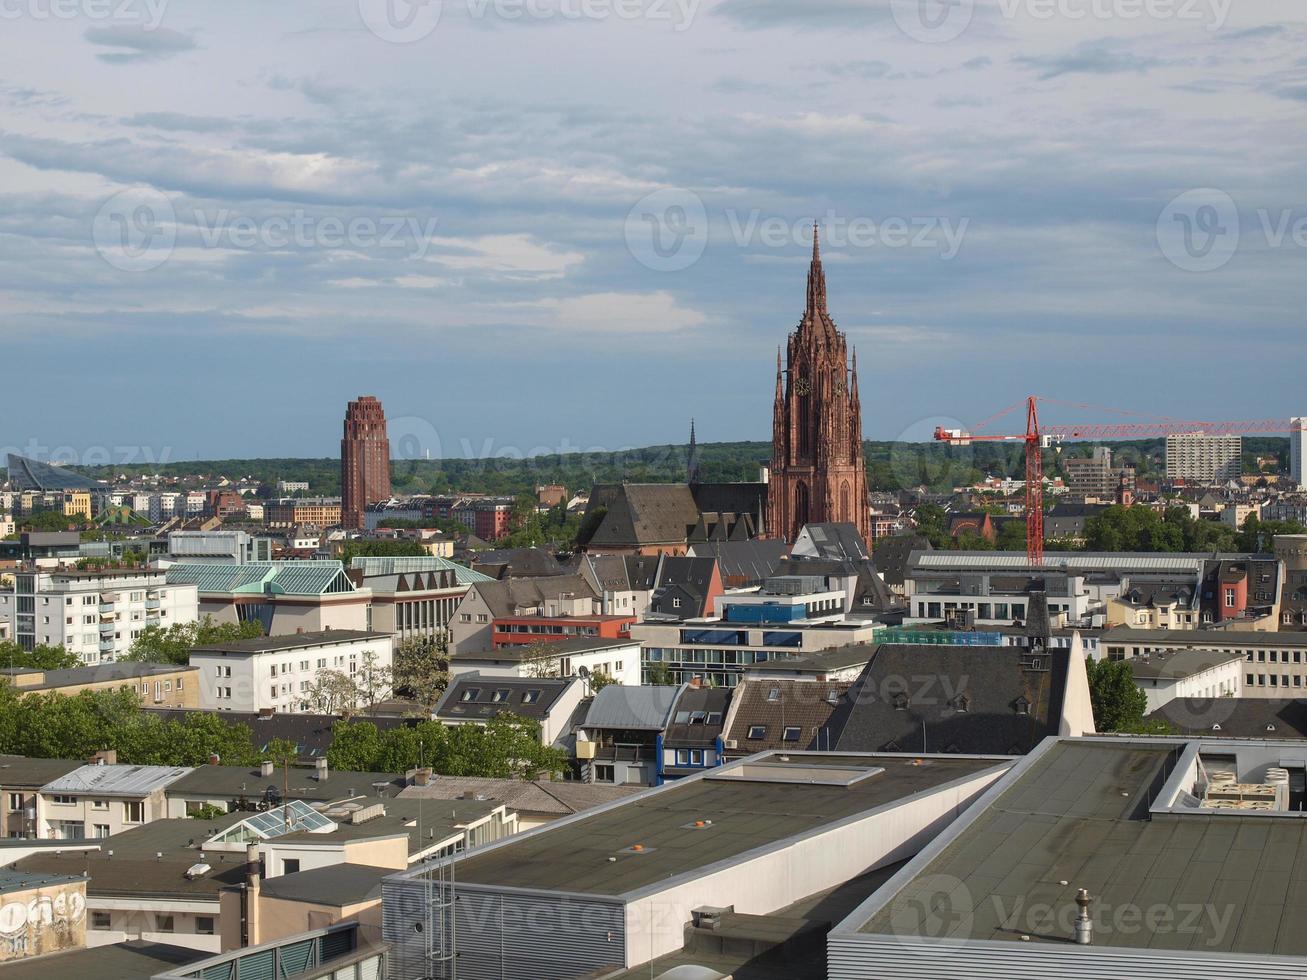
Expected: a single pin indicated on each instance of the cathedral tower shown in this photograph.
(818, 470)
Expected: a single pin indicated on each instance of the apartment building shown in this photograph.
(1199, 458)
(276, 673)
(318, 511)
(157, 685)
(99, 800)
(96, 614)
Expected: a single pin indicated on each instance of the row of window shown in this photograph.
(790, 733)
(689, 757)
(133, 810)
(1273, 680)
(204, 924)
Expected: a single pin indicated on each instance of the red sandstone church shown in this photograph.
(818, 471)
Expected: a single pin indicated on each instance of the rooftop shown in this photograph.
(337, 885)
(559, 798)
(233, 782)
(122, 961)
(1205, 638)
(1179, 664)
(1083, 813)
(741, 814)
(18, 881)
(118, 780)
(19, 770)
(301, 577)
(27, 678)
(291, 641)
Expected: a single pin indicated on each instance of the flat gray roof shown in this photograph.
(1205, 638)
(291, 641)
(744, 814)
(1180, 664)
(338, 885)
(1078, 812)
(117, 780)
(121, 961)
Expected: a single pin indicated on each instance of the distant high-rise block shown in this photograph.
(364, 460)
(1297, 448)
(1199, 458)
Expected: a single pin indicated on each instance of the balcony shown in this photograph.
(106, 608)
(107, 626)
(152, 603)
(108, 597)
(106, 644)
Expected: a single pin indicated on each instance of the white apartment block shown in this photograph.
(1200, 458)
(95, 614)
(277, 673)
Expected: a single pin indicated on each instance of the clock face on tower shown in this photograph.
(803, 387)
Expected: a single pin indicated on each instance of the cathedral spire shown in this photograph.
(816, 279)
(692, 466)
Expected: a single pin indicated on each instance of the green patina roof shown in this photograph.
(277, 577)
(401, 566)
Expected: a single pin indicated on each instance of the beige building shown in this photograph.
(1199, 458)
(157, 685)
(284, 597)
(298, 903)
(321, 512)
(101, 800)
(40, 914)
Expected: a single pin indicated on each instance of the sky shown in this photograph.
(533, 225)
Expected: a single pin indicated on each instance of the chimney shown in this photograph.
(215, 759)
(251, 895)
(321, 766)
(1084, 924)
(267, 768)
(105, 757)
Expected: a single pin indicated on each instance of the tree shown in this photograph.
(333, 693)
(38, 658)
(599, 680)
(659, 675)
(540, 660)
(173, 644)
(421, 670)
(1117, 701)
(374, 682)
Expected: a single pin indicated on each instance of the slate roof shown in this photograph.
(743, 564)
(834, 540)
(478, 697)
(640, 514)
(1162, 592)
(806, 705)
(686, 578)
(233, 782)
(516, 563)
(870, 593)
(620, 706)
(96, 674)
(20, 771)
(733, 498)
(1235, 717)
(698, 717)
(968, 699)
(891, 556)
(505, 597)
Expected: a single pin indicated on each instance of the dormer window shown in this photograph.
(500, 696)
(757, 731)
(471, 694)
(530, 697)
(774, 694)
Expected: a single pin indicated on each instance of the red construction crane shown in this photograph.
(1038, 438)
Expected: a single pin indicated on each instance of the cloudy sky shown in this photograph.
(530, 224)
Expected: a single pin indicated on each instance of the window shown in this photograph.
(791, 734)
(696, 757)
(471, 694)
(101, 921)
(163, 923)
(99, 804)
(774, 694)
(100, 831)
(603, 774)
(757, 731)
(500, 696)
(682, 757)
(1229, 598)
(530, 697)
(63, 800)
(290, 866)
(15, 801)
(204, 925)
(134, 812)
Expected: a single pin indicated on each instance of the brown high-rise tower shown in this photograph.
(818, 471)
(364, 460)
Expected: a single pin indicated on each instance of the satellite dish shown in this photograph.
(583, 672)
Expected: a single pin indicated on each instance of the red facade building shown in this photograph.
(364, 460)
(818, 471)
